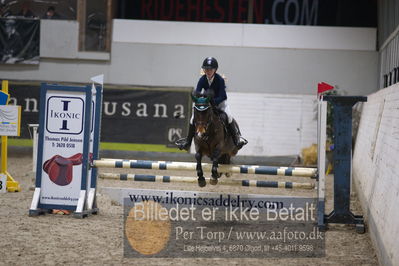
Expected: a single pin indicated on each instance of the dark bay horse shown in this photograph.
(211, 137)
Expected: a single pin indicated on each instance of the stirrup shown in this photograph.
(181, 143)
(242, 142)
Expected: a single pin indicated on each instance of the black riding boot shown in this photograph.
(236, 135)
(187, 144)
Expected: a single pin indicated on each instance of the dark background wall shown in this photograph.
(298, 12)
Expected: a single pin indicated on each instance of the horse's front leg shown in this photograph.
(215, 160)
(200, 173)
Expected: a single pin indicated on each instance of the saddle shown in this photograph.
(59, 168)
(223, 118)
(222, 115)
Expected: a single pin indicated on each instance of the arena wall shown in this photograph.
(376, 170)
(254, 58)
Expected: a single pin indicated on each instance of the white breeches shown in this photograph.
(222, 106)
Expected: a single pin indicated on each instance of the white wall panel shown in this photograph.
(315, 37)
(257, 70)
(308, 132)
(245, 35)
(273, 124)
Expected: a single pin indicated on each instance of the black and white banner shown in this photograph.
(19, 41)
(149, 116)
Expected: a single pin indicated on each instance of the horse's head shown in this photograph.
(202, 113)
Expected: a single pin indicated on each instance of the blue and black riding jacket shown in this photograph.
(218, 86)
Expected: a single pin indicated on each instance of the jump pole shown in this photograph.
(223, 168)
(224, 181)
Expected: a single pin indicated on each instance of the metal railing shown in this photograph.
(388, 42)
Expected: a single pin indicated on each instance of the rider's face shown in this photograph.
(210, 72)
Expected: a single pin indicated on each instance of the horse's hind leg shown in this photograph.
(200, 173)
(225, 159)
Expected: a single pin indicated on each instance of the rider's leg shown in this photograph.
(232, 126)
(236, 134)
(191, 132)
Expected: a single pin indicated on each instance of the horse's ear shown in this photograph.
(193, 97)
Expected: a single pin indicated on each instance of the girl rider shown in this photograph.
(213, 81)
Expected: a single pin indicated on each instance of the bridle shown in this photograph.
(205, 108)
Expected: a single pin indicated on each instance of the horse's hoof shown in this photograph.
(227, 174)
(213, 181)
(216, 175)
(201, 182)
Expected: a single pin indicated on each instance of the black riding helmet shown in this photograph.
(210, 63)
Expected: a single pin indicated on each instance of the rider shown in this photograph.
(213, 81)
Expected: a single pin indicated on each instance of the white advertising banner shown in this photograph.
(62, 148)
(10, 120)
(68, 141)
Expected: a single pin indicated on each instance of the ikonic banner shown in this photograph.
(63, 145)
(19, 41)
(153, 116)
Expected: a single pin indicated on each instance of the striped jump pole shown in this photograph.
(223, 168)
(181, 179)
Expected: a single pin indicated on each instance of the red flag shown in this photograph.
(322, 87)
